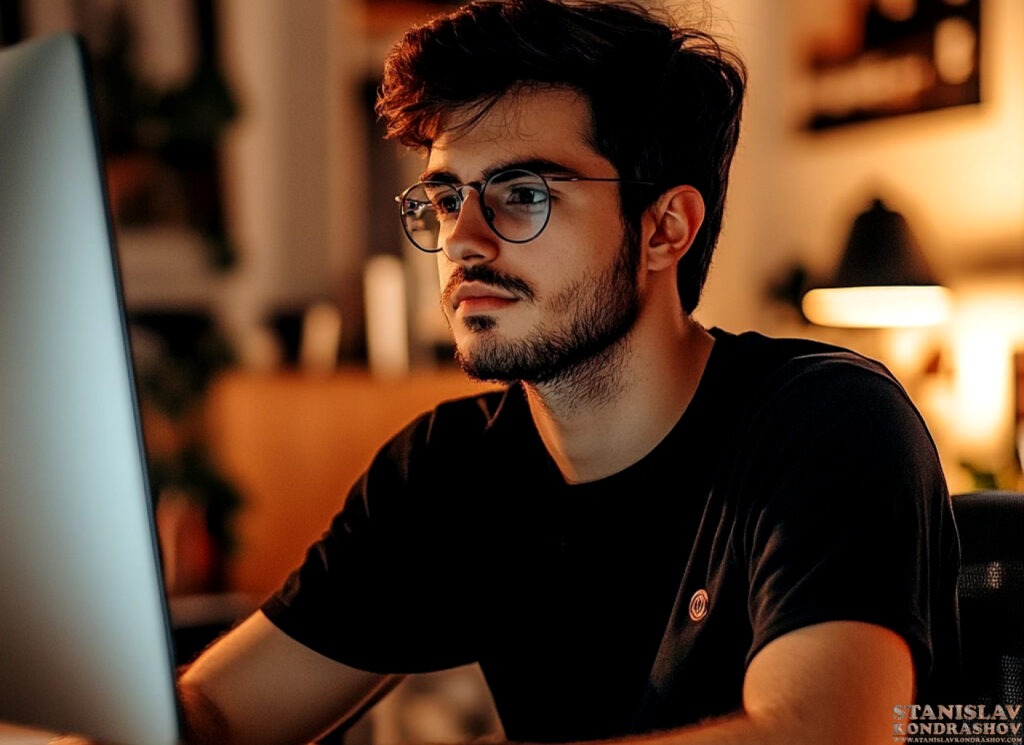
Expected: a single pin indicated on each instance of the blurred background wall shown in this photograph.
(266, 218)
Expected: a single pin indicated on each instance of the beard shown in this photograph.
(591, 319)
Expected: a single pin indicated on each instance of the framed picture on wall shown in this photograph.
(864, 60)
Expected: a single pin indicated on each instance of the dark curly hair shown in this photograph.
(665, 100)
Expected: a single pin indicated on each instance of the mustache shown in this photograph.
(486, 275)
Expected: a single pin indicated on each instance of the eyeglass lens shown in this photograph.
(515, 203)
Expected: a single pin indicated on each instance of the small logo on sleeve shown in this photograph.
(699, 605)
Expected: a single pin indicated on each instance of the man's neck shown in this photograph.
(613, 410)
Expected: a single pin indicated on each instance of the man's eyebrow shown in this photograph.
(541, 166)
(439, 175)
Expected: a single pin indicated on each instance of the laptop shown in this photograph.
(85, 644)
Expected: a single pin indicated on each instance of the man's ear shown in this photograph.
(672, 224)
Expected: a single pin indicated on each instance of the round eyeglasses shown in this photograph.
(516, 204)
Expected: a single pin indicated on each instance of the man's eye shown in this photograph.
(447, 204)
(526, 195)
(413, 210)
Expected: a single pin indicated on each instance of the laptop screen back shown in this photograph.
(84, 641)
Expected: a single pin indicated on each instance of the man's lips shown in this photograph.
(478, 296)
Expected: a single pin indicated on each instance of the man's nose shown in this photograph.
(471, 240)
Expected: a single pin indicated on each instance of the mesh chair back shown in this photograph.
(991, 594)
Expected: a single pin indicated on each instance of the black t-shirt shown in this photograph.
(800, 486)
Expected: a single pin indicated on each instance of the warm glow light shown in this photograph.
(877, 307)
(988, 326)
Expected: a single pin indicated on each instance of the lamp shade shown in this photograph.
(883, 279)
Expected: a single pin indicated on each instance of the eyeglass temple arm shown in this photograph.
(598, 178)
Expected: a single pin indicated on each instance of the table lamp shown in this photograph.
(882, 281)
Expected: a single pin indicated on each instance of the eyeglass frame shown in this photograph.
(480, 186)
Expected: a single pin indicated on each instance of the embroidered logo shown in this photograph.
(699, 605)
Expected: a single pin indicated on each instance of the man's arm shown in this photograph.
(833, 682)
(258, 685)
(830, 683)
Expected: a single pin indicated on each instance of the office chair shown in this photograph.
(991, 595)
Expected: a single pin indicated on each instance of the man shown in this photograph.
(656, 530)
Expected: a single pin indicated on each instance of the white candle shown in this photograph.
(321, 337)
(387, 333)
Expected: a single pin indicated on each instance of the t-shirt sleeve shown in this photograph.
(847, 509)
(385, 588)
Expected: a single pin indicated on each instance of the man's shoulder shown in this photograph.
(759, 350)
(773, 363)
(803, 383)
